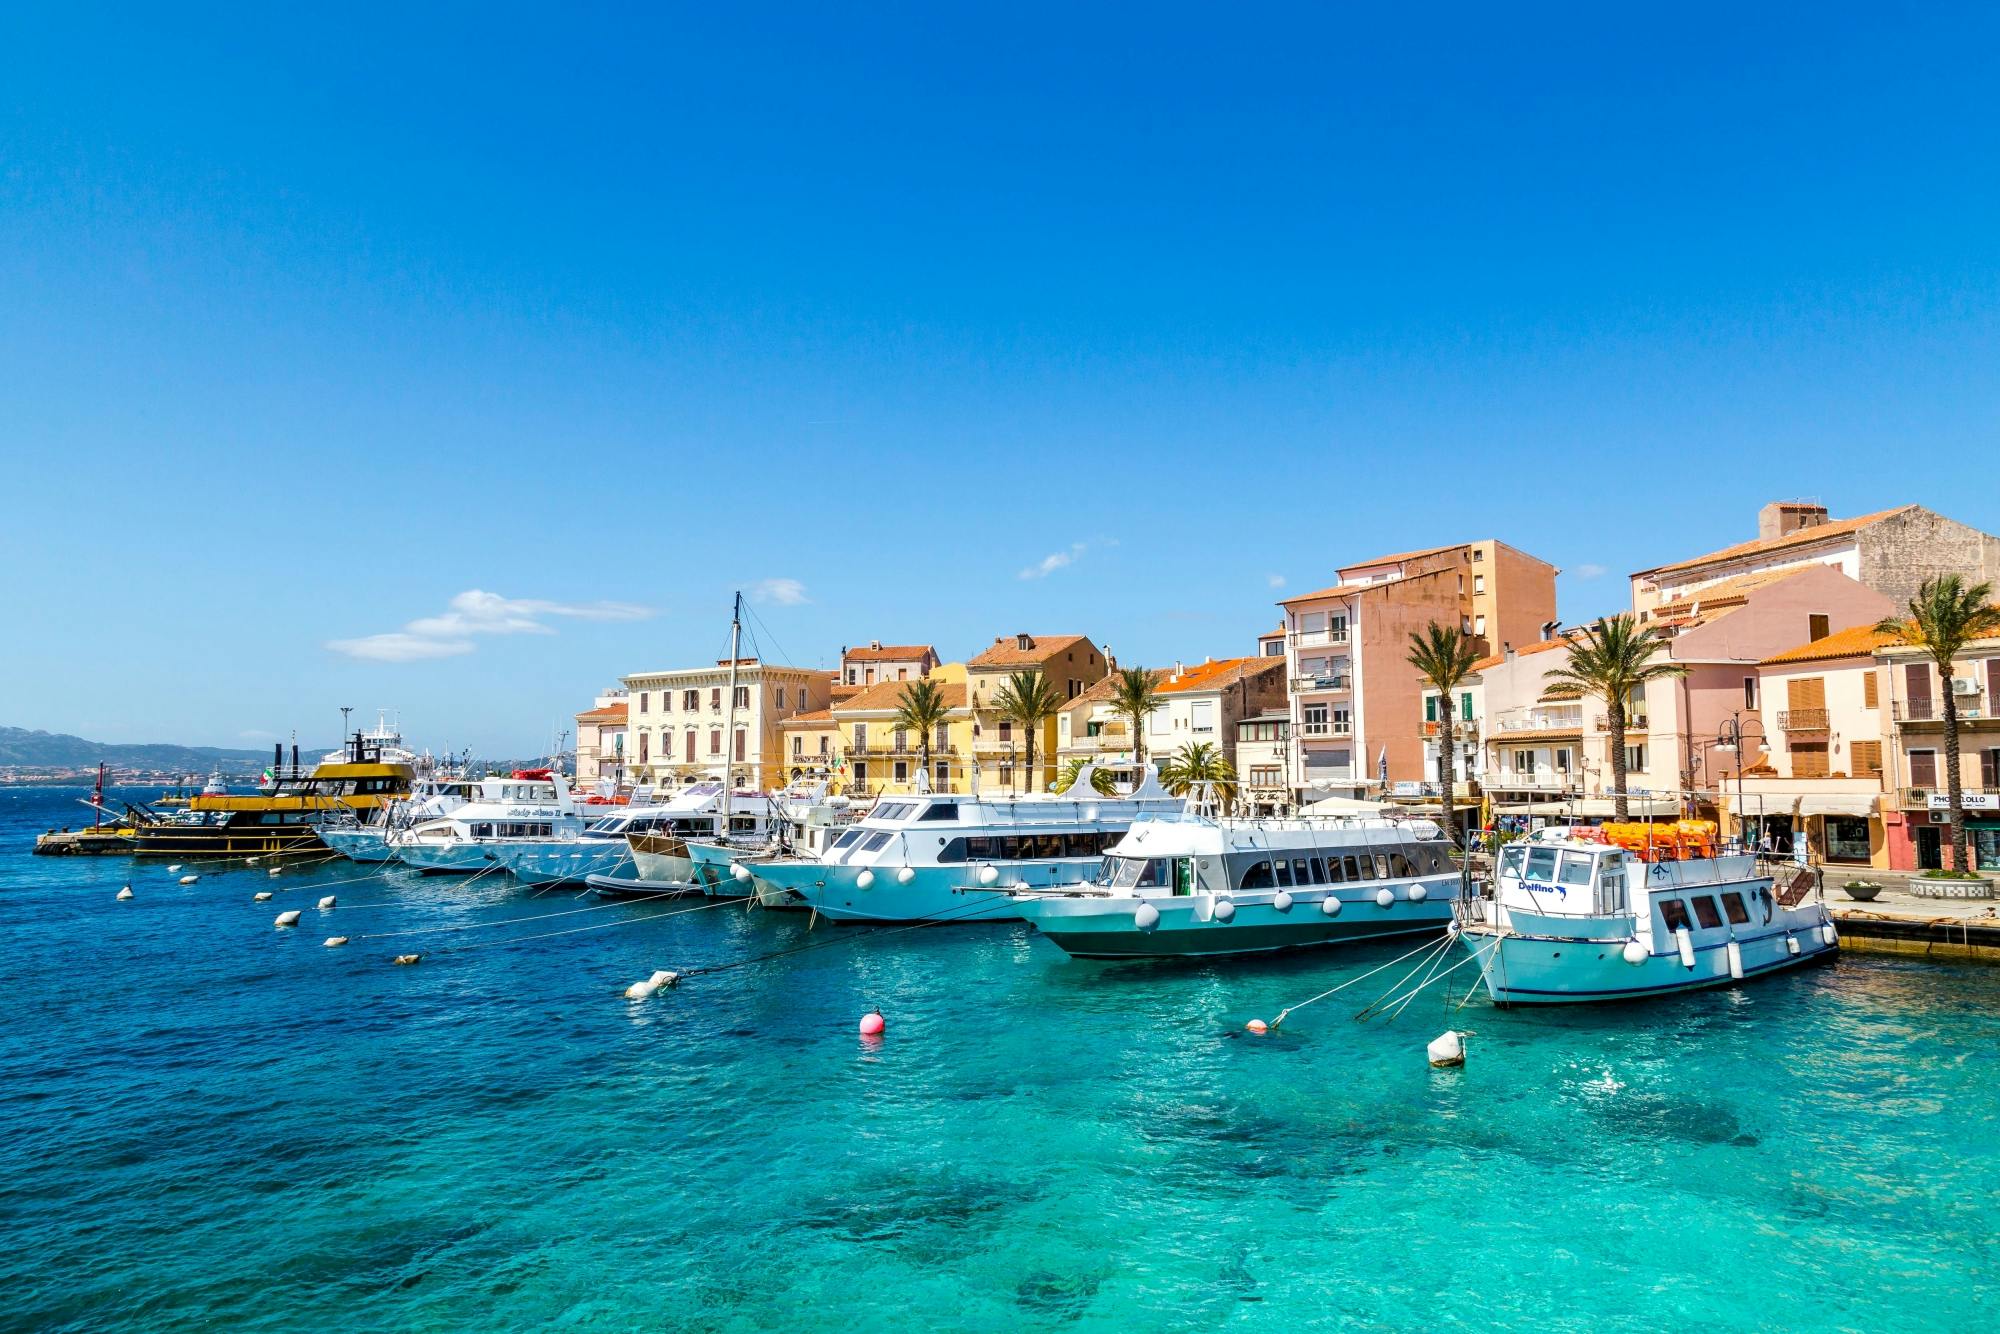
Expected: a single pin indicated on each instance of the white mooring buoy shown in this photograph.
(251, 861)
(642, 990)
(1447, 1049)
(261, 897)
(125, 893)
(189, 879)
(272, 871)
(289, 918)
(327, 902)
(175, 867)
(335, 942)
(406, 958)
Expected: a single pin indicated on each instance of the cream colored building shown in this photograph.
(600, 740)
(877, 755)
(678, 721)
(872, 663)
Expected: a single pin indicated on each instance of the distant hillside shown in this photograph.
(20, 747)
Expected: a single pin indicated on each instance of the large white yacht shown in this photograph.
(369, 840)
(939, 857)
(527, 804)
(1577, 918)
(1194, 886)
(598, 848)
(809, 825)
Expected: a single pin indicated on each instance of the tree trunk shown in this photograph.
(1031, 757)
(1615, 715)
(1961, 837)
(1445, 768)
(923, 758)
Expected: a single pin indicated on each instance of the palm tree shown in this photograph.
(1200, 762)
(1443, 656)
(1100, 779)
(1030, 699)
(1136, 694)
(920, 709)
(1613, 658)
(1945, 616)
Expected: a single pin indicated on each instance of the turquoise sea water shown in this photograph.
(208, 1122)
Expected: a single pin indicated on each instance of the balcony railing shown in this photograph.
(1803, 720)
(1303, 684)
(1318, 638)
(1326, 729)
(1460, 727)
(1632, 724)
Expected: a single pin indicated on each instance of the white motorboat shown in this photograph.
(599, 848)
(660, 854)
(1196, 887)
(1575, 918)
(527, 804)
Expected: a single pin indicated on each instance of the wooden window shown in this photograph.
(1809, 760)
(690, 746)
(1817, 625)
(1871, 690)
(644, 737)
(1806, 692)
(715, 741)
(1989, 770)
(1923, 768)
(1917, 687)
(742, 743)
(1867, 758)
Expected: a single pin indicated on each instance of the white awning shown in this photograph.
(1637, 808)
(1859, 804)
(1344, 806)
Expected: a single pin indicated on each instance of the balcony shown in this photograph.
(1465, 728)
(1633, 723)
(1325, 730)
(1317, 638)
(1803, 720)
(1302, 685)
(1092, 745)
(1928, 713)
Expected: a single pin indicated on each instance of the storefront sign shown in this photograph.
(1969, 801)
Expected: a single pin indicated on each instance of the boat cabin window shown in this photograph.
(1360, 868)
(1575, 869)
(1400, 865)
(1302, 871)
(1674, 913)
(941, 810)
(1542, 865)
(1283, 870)
(876, 841)
(1381, 866)
(894, 810)
(1334, 875)
(1511, 860)
(608, 825)
(1257, 875)
(482, 830)
(846, 840)
(742, 824)
(1704, 911)
(1139, 872)
(1732, 903)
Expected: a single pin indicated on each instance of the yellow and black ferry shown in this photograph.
(284, 816)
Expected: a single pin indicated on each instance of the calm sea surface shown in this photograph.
(208, 1122)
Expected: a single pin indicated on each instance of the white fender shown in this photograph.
(1447, 1049)
(865, 879)
(1146, 917)
(906, 875)
(287, 918)
(1735, 953)
(1829, 935)
(1224, 910)
(1282, 900)
(1385, 898)
(406, 958)
(989, 875)
(272, 871)
(1685, 944)
(1418, 893)
(641, 990)
(1330, 906)
(175, 867)
(739, 871)
(1635, 953)
(1792, 946)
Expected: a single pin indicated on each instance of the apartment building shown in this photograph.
(677, 720)
(1200, 704)
(1088, 729)
(1466, 711)
(874, 662)
(810, 744)
(1263, 752)
(1071, 663)
(600, 741)
(1356, 703)
(1917, 804)
(1812, 766)
(879, 756)
(1891, 551)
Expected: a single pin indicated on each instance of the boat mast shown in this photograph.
(729, 725)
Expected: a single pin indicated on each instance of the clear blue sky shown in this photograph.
(312, 323)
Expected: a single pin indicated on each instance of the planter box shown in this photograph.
(1861, 893)
(1950, 889)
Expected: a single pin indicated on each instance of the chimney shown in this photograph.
(1506, 650)
(874, 643)
(1549, 629)
(1024, 642)
(1782, 517)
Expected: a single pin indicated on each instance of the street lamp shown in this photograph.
(1730, 737)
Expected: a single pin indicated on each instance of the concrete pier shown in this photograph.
(1898, 922)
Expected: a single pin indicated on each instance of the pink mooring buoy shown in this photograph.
(872, 1023)
(1257, 1026)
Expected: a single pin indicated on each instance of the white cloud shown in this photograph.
(1590, 571)
(784, 592)
(477, 612)
(1275, 580)
(1054, 561)
(399, 647)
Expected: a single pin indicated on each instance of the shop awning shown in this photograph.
(1835, 803)
(1637, 808)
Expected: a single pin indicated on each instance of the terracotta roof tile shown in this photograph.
(1397, 557)
(817, 718)
(890, 653)
(1008, 653)
(1217, 675)
(610, 713)
(1539, 646)
(1801, 537)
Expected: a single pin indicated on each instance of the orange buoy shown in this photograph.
(1257, 1026)
(872, 1023)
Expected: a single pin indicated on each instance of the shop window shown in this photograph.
(1846, 838)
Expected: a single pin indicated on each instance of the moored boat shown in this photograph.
(527, 804)
(1576, 918)
(284, 816)
(1198, 887)
(600, 848)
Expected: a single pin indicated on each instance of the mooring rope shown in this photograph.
(1290, 1009)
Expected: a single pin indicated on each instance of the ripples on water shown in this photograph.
(209, 1122)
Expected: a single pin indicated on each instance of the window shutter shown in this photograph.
(1923, 768)
(1867, 758)
(1871, 693)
